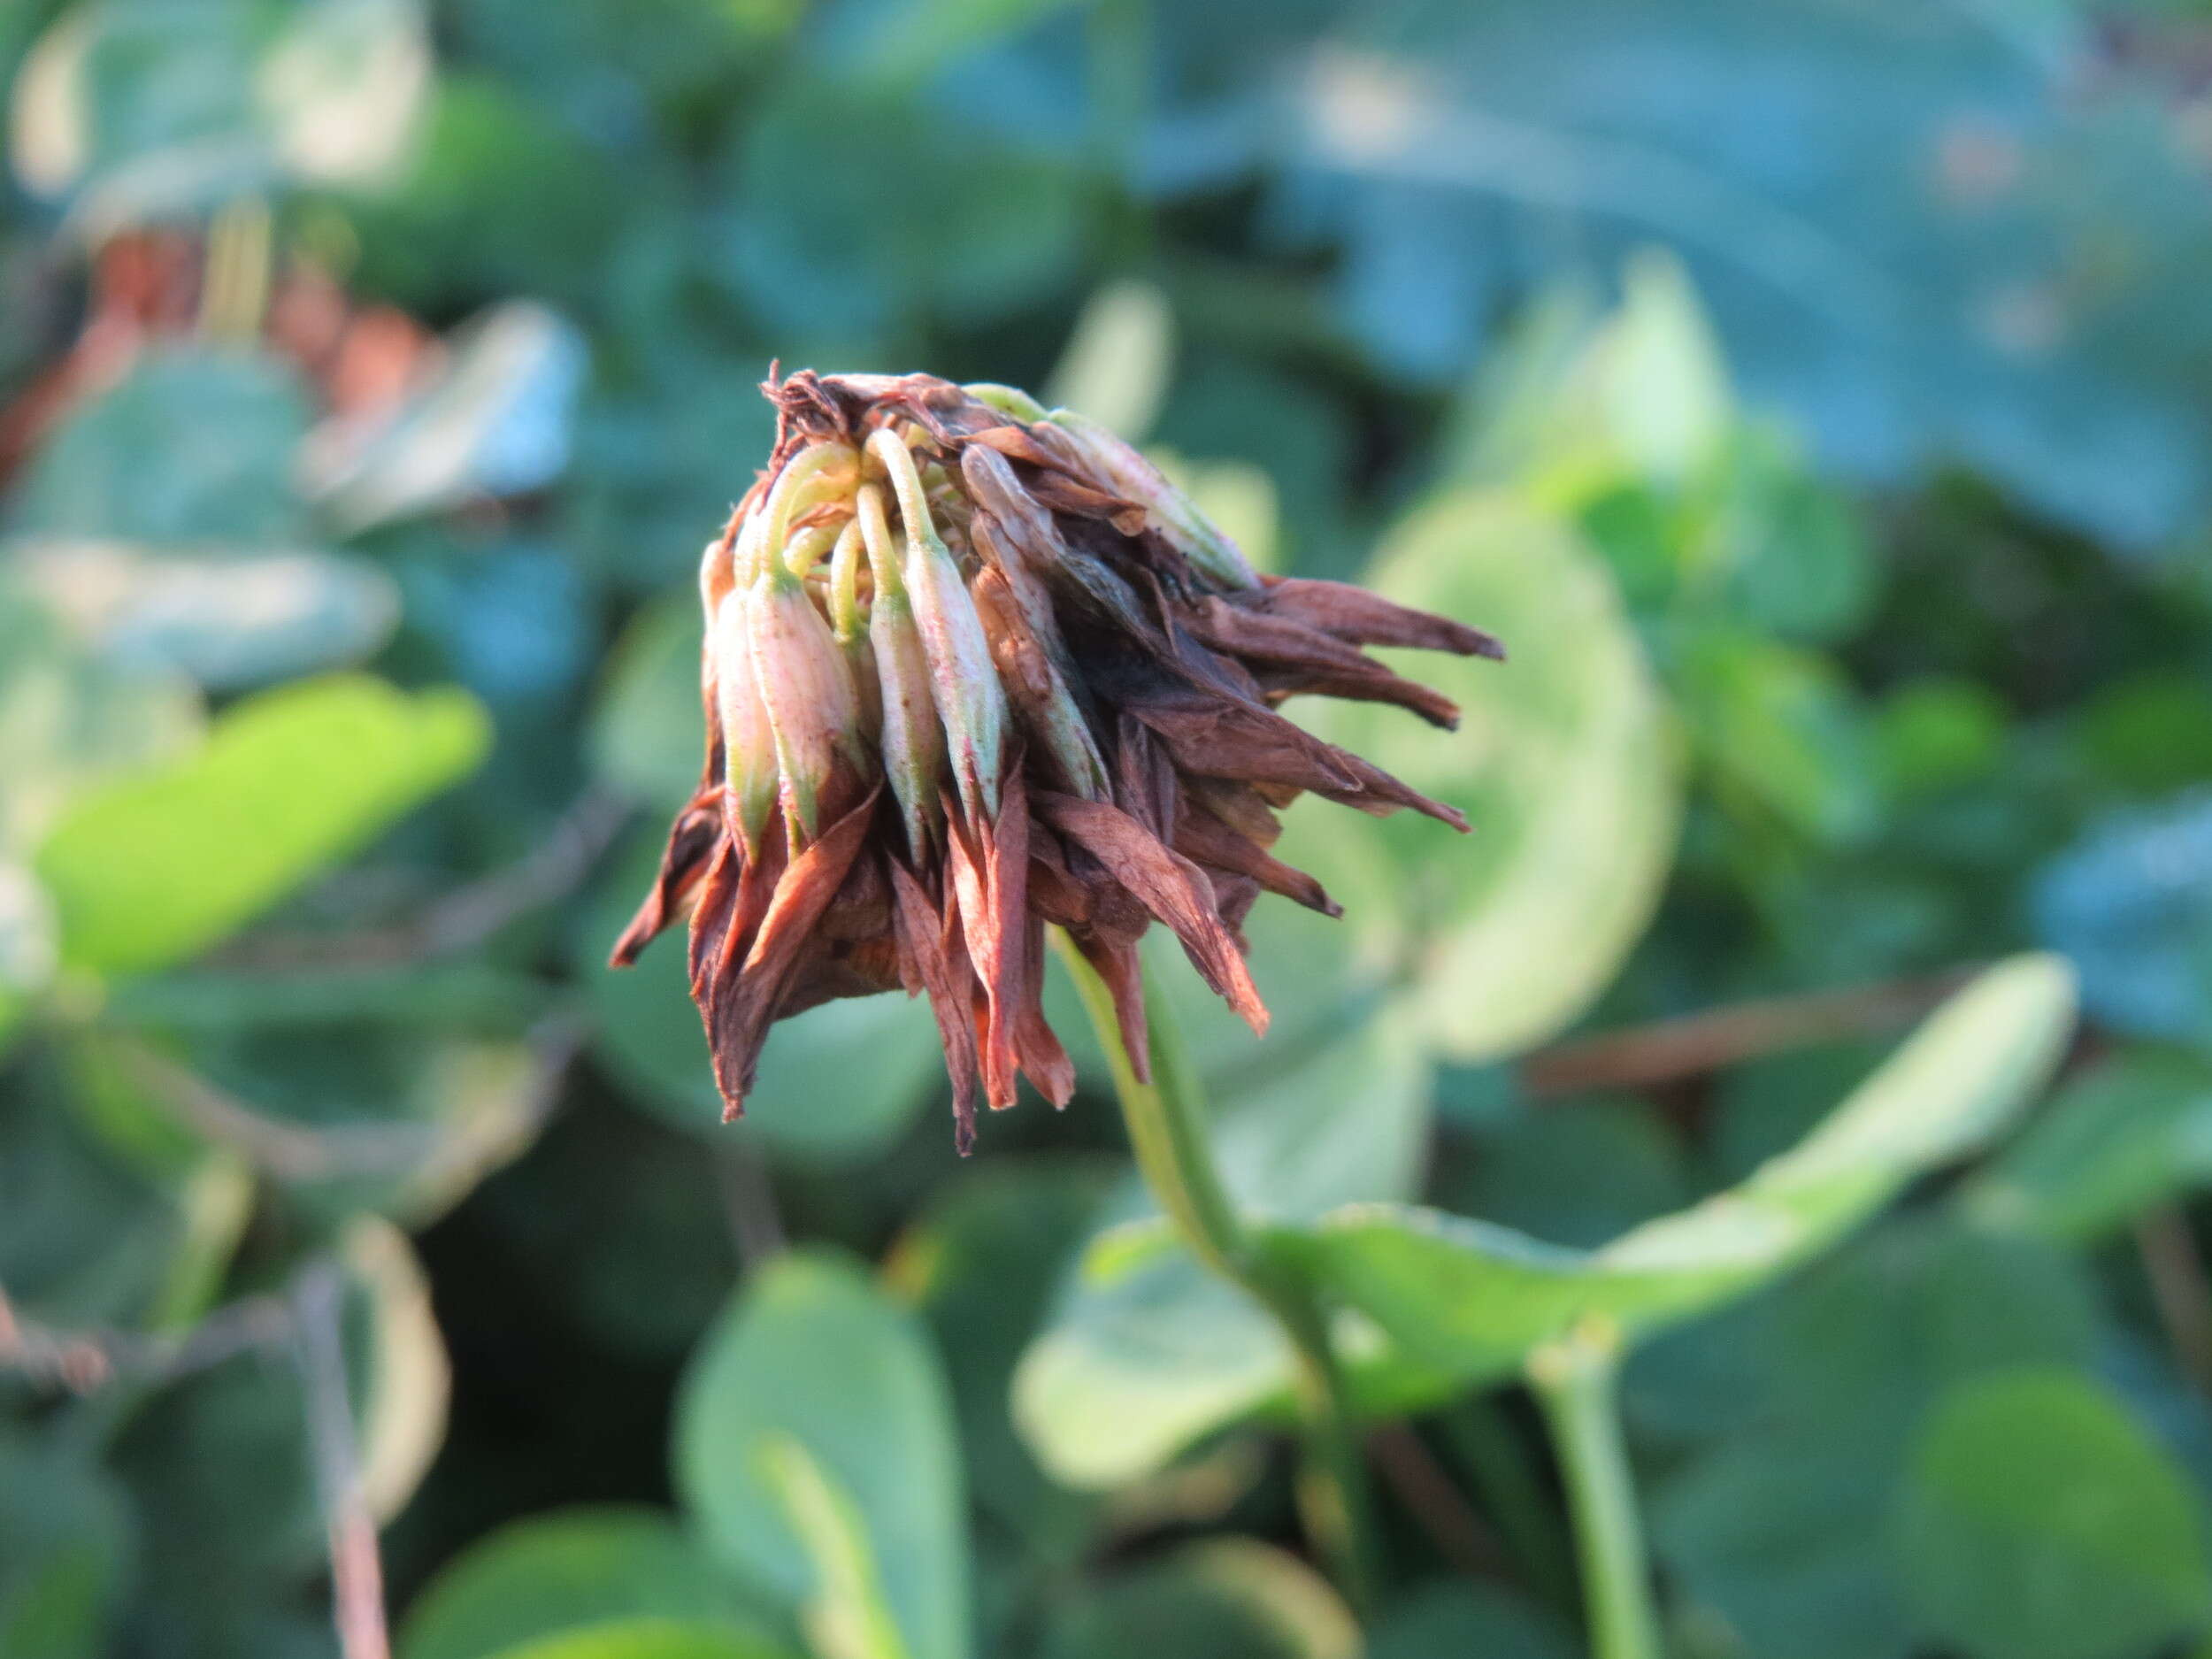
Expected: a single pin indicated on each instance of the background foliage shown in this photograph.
(1814, 395)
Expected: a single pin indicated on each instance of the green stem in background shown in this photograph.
(1492, 1460)
(1166, 1120)
(1574, 1378)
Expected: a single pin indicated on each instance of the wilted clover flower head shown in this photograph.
(971, 667)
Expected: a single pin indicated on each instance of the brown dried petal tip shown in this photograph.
(971, 668)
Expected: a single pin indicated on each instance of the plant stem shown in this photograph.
(1166, 1120)
(1574, 1380)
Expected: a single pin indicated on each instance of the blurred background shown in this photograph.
(1816, 394)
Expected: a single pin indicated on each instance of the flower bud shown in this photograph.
(749, 741)
(813, 706)
(1167, 509)
(970, 701)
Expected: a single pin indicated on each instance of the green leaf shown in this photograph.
(912, 40)
(1780, 731)
(565, 1573)
(66, 1550)
(1479, 1621)
(982, 1263)
(812, 1353)
(1116, 364)
(227, 618)
(808, 1100)
(646, 1638)
(648, 729)
(1471, 1300)
(2132, 1132)
(1227, 1598)
(153, 869)
(2039, 1521)
(845, 1614)
(195, 444)
(1137, 1364)
(147, 113)
(1563, 765)
(68, 721)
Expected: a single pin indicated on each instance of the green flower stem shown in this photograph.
(1166, 1120)
(1574, 1378)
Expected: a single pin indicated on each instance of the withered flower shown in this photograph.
(971, 667)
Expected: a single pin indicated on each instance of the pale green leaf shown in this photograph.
(1564, 764)
(2040, 1521)
(1469, 1301)
(812, 1352)
(567, 1572)
(152, 869)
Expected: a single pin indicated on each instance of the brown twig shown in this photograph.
(1460, 1536)
(356, 1567)
(749, 1196)
(2180, 1289)
(466, 916)
(84, 1361)
(1699, 1043)
(428, 1155)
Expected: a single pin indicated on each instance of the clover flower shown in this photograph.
(971, 667)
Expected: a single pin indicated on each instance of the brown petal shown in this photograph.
(1367, 618)
(1314, 661)
(740, 1006)
(988, 864)
(1170, 886)
(1205, 840)
(683, 866)
(930, 952)
(1041, 1054)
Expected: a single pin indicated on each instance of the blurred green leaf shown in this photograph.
(151, 870)
(565, 1573)
(845, 1614)
(66, 1549)
(494, 418)
(812, 1352)
(1471, 1299)
(1227, 1598)
(1116, 364)
(68, 721)
(2132, 1132)
(1781, 733)
(971, 222)
(910, 40)
(981, 1263)
(1461, 1620)
(147, 112)
(1135, 1365)
(2039, 1521)
(647, 728)
(646, 1638)
(1774, 1531)
(227, 619)
(1563, 765)
(195, 444)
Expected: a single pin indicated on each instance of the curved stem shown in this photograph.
(1574, 1380)
(1166, 1120)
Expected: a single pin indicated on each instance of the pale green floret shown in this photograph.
(748, 740)
(970, 700)
(1008, 400)
(913, 741)
(813, 705)
(1172, 513)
